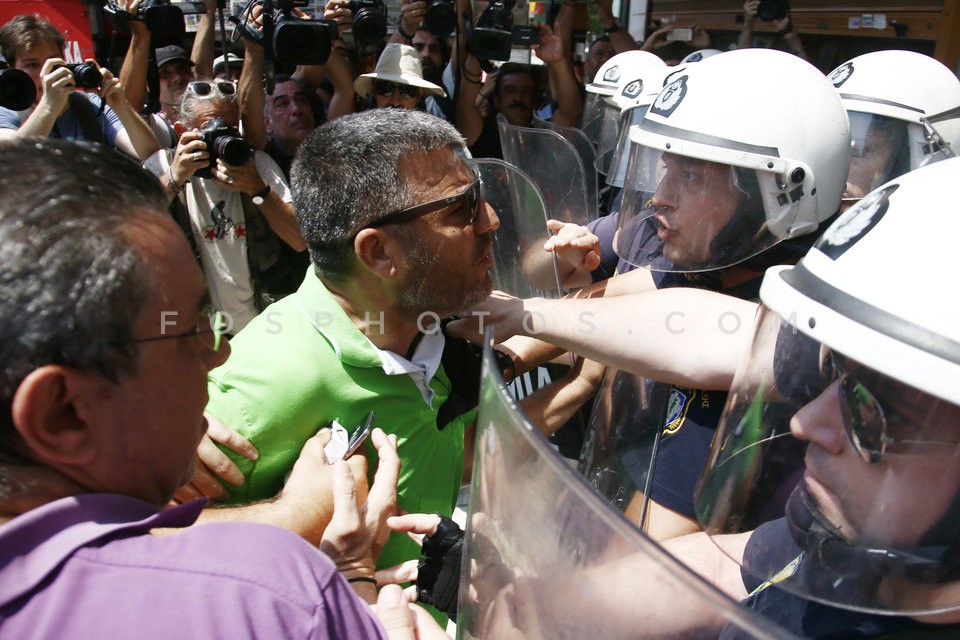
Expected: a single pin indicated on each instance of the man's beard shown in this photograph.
(433, 74)
(427, 289)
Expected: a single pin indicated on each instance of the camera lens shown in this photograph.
(234, 151)
(770, 10)
(17, 91)
(440, 18)
(369, 21)
(86, 75)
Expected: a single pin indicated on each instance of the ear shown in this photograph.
(267, 124)
(55, 410)
(376, 250)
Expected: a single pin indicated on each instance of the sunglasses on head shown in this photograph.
(385, 88)
(468, 201)
(865, 420)
(204, 88)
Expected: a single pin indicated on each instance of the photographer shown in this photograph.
(515, 95)
(786, 30)
(237, 211)
(32, 44)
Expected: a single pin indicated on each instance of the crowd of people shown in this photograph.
(245, 312)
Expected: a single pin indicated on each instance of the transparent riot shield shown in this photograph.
(518, 243)
(584, 149)
(555, 166)
(546, 557)
(621, 441)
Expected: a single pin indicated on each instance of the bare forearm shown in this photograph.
(469, 118)
(277, 513)
(204, 46)
(133, 73)
(283, 221)
(342, 101)
(680, 336)
(569, 101)
(252, 97)
(141, 138)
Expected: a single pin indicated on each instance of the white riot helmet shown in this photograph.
(889, 96)
(700, 54)
(727, 163)
(604, 85)
(626, 107)
(842, 427)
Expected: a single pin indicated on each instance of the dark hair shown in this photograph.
(346, 175)
(72, 282)
(25, 32)
(509, 68)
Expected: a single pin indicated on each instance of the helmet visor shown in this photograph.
(593, 115)
(615, 164)
(846, 478)
(879, 152)
(685, 214)
(608, 133)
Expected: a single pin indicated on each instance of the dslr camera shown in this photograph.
(770, 10)
(369, 21)
(159, 16)
(17, 91)
(224, 142)
(85, 75)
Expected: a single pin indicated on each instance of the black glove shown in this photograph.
(438, 573)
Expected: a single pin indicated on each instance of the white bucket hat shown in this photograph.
(399, 63)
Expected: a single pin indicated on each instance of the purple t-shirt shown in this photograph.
(86, 567)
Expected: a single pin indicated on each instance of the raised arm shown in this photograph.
(133, 72)
(252, 97)
(204, 45)
(562, 79)
(136, 139)
(469, 118)
(750, 9)
(620, 38)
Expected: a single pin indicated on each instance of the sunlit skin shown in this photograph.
(897, 500)
(31, 61)
(450, 269)
(174, 77)
(693, 201)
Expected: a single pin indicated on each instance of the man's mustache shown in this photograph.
(517, 104)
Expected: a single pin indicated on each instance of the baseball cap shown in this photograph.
(170, 53)
(236, 62)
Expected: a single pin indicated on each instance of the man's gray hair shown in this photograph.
(346, 175)
(72, 282)
(190, 104)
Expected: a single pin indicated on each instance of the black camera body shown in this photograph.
(770, 10)
(440, 17)
(287, 39)
(160, 16)
(85, 75)
(369, 21)
(495, 34)
(17, 91)
(224, 142)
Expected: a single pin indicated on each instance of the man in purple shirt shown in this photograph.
(105, 348)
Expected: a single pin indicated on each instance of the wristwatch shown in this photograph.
(259, 197)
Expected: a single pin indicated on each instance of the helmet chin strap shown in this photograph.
(823, 542)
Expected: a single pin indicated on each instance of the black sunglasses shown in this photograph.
(468, 200)
(204, 88)
(386, 88)
(864, 418)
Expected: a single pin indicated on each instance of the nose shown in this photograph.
(665, 194)
(820, 422)
(487, 221)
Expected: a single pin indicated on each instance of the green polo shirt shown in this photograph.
(300, 365)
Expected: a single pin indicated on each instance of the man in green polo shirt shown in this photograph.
(399, 238)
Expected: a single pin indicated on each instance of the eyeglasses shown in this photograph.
(386, 88)
(468, 201)
(209, 322)
(864, 418)
(203, 88)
